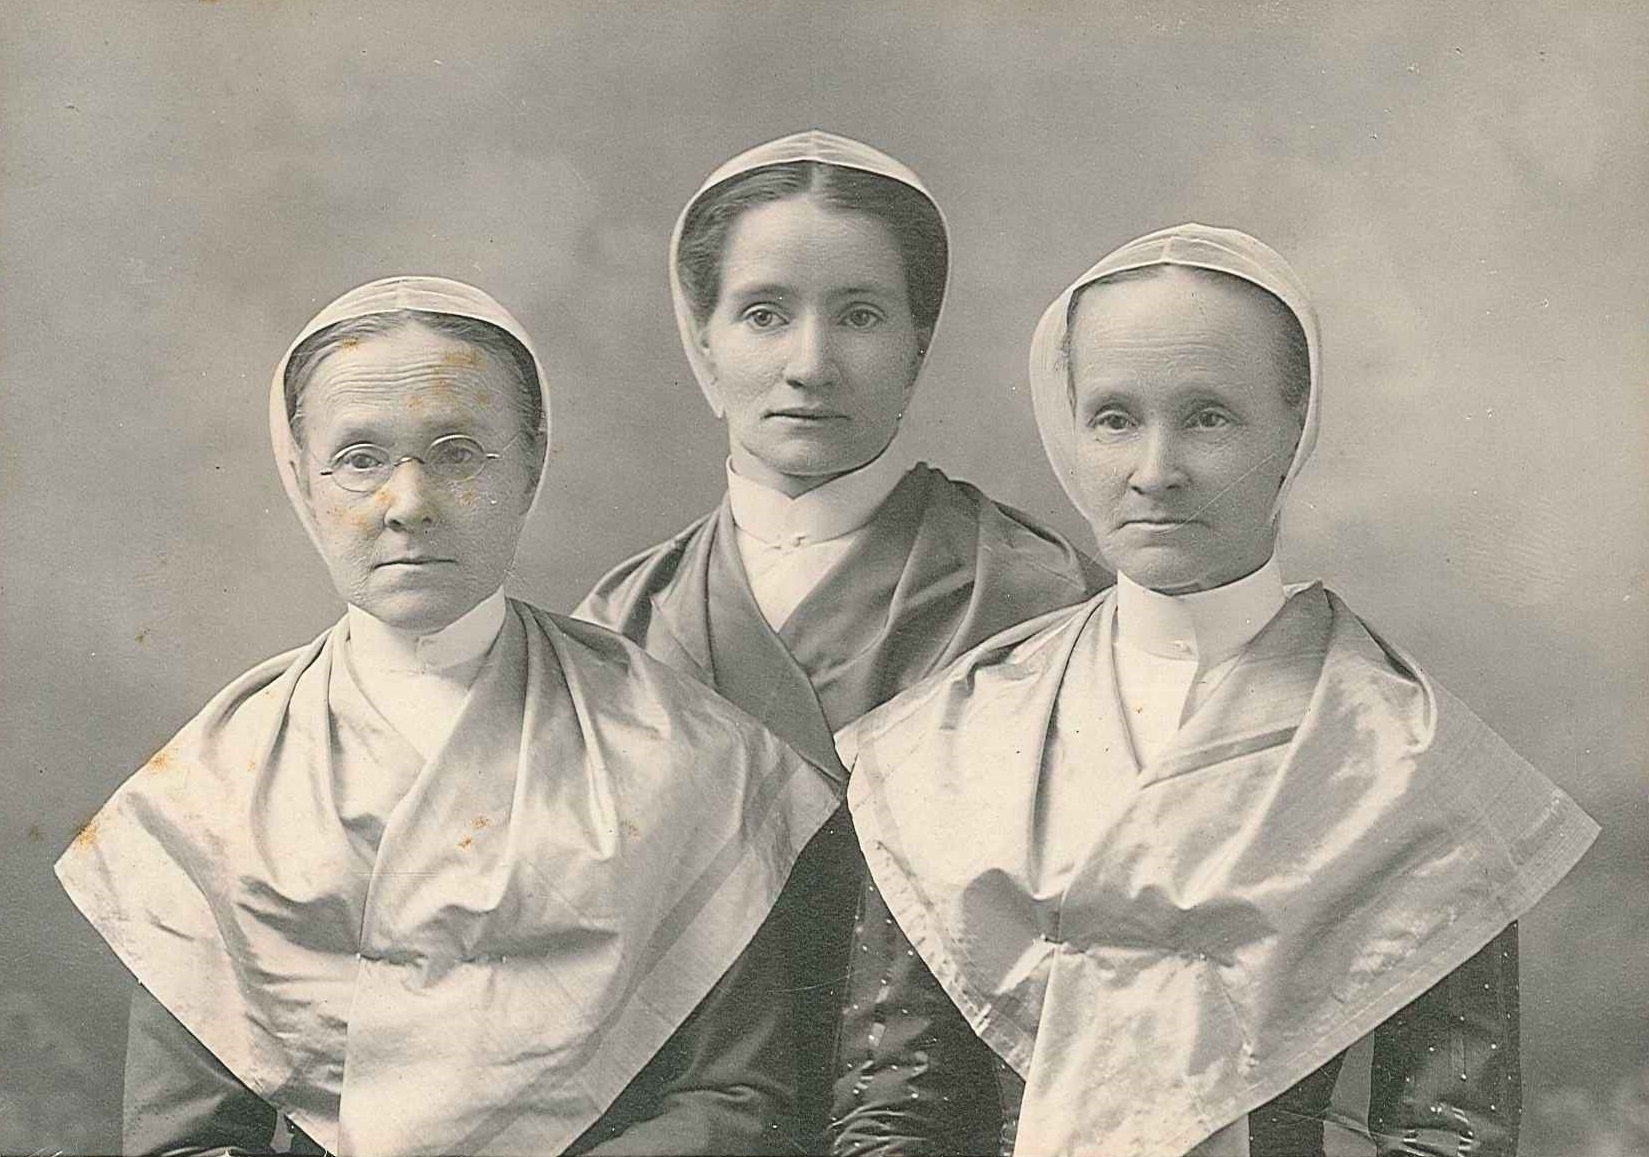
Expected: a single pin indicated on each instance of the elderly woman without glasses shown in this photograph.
(808, 275)
(437, 882)
(1171, 853)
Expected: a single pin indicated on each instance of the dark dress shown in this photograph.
(915, 1079)
(940, 569)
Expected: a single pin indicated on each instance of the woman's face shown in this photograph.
(812, 345)
(1183, 434)
(416, 552)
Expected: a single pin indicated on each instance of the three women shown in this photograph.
(438, 881)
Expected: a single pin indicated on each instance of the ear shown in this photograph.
(296, 466)
(538, 447)
(707, 365)
(923, 336)
(701, 342)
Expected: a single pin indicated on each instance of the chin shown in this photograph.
(418, 611)
(816, 462)
(1166, 570)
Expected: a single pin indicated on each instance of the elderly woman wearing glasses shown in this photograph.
(458, 876)
(1170, 853)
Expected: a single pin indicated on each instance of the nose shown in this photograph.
(1158, 467)
(409, 503)
(809, 363)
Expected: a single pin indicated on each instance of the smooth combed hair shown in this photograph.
(913, 220)
(1293, 352)
(483, 335)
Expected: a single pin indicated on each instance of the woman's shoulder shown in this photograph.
(619, 593)
(1016, 538)
(602, 665)
(1010, 662)
(246, 699)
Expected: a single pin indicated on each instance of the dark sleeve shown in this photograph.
(179, 1097)
(912, 1076)
(1445, 1077)
(725, 1080)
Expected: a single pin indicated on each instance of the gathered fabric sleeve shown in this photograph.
(725, 1080)
(180, 1099)
(912, 1077)
(1446, 1077)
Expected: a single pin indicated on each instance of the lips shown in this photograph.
(804, 415)
(413, 561)
(1158, 521)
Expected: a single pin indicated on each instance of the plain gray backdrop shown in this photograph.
(184, 183)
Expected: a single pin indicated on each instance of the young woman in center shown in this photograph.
(808, 275)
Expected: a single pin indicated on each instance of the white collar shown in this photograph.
(839, 507)
(375, 644)
(1209, 626)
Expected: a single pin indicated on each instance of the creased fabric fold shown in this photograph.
(1330, 835)
(564, 881)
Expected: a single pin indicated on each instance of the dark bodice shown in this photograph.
(939, 569)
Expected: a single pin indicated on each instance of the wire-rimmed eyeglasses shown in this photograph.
(363, 468)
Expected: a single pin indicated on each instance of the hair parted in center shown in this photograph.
(909, 215)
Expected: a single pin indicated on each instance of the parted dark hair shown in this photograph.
(1293, 352)
(483, 335)
(909, 215)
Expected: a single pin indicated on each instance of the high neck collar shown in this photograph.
(839, 507)
(375, 644)
(1208, 626)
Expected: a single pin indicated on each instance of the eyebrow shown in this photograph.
(760, 289)
(860, 290)
(782, 292)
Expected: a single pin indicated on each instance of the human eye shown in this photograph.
(455, 450)
(762, 317)
(1111, 420)
(862, 317)
(1210, 418)
(360, 459)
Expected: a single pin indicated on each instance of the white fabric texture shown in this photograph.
(418, 682)
(1325, 839)
(1168, 646)
(811, 145)
(788, 545)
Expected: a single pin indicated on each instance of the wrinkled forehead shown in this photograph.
(1174, 313)
(416, 360)
(1207, 300)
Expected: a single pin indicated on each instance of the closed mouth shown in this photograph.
(415, 561)
(805, 415)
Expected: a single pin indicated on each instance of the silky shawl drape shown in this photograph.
(1326, 838)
